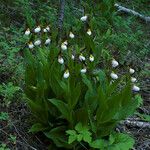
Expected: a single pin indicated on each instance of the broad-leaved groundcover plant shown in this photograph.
(76, 100)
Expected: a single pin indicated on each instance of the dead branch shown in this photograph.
(130, 11)
(135, 123)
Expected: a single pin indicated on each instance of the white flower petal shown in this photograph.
(63, 47)
(66, 74)
(81, 58)
(48, 41)
(91, 58)
(27, 32)
(84, 18)
(30, 45)
(114, 76)
(71, 35)
(114, 63)
(37, 42)
(37, 29)
(133, 79)
(135, 88)
(131, 71)
(60, 60)
(83, 70)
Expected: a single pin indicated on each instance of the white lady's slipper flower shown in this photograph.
(135, 88)
(65, 42)
(71, 35)
(63, 46)
(133, 79)
(89, 32)
(72, 57)
(47, 41)
(47, 29)
(30, 45)
(114, 63)
(131, 71)
(37, 42)
(66, 74)
(81, 57)
(83, 70)
(37, 29)
(27, 32)
(91, 58)
(60, 60)
(84, 18)
(114, 76)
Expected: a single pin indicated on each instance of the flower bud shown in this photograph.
(66, 74)
(83, 70)
(114, 63)
(60, 60)
(81, 57)
(89, 32)
(135, 88)
(114, 76)
(37, 29)
(91, 58)
(133, 79)
(27, 32)
(47, 41)
(131, 71)
(71, 35)
(37, 42)
(84, 18)
(30, 45)
(63, 46)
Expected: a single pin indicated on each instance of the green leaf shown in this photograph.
(122, 142)
(63, 108)
(99, 144)
(57, 135)
(37, 127)
(72, 136)
(79, 137)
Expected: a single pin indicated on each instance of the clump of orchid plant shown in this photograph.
(74, 100)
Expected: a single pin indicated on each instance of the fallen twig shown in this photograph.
(130, 11)
(140, 124)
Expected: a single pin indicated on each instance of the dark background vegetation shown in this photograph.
(129, 41)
